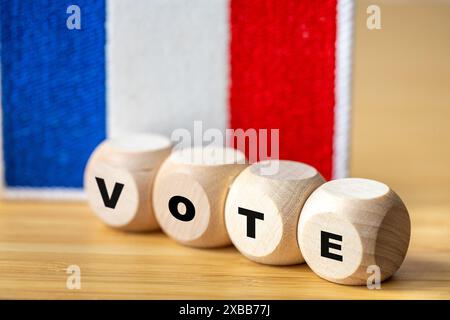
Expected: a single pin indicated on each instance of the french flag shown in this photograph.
(155, 66)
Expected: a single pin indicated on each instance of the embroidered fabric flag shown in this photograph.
(155, 66)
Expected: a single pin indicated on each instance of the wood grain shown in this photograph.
(132, 161)
(278, 198)
(366, 219)
(38, 241)
(202, 176)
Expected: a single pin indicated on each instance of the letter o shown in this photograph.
(173, 208)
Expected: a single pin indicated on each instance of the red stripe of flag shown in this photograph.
(283, 74)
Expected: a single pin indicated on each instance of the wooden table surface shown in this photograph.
(400, 135)
(38, 241)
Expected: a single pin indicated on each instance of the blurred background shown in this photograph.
(400, 131)
(401, 99)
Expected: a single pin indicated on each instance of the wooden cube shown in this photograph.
(190, 192)
(119, 178)
(348, 225)
(263, 209)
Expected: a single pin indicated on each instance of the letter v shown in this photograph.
(109, 202)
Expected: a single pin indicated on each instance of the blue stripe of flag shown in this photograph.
(53, 90)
